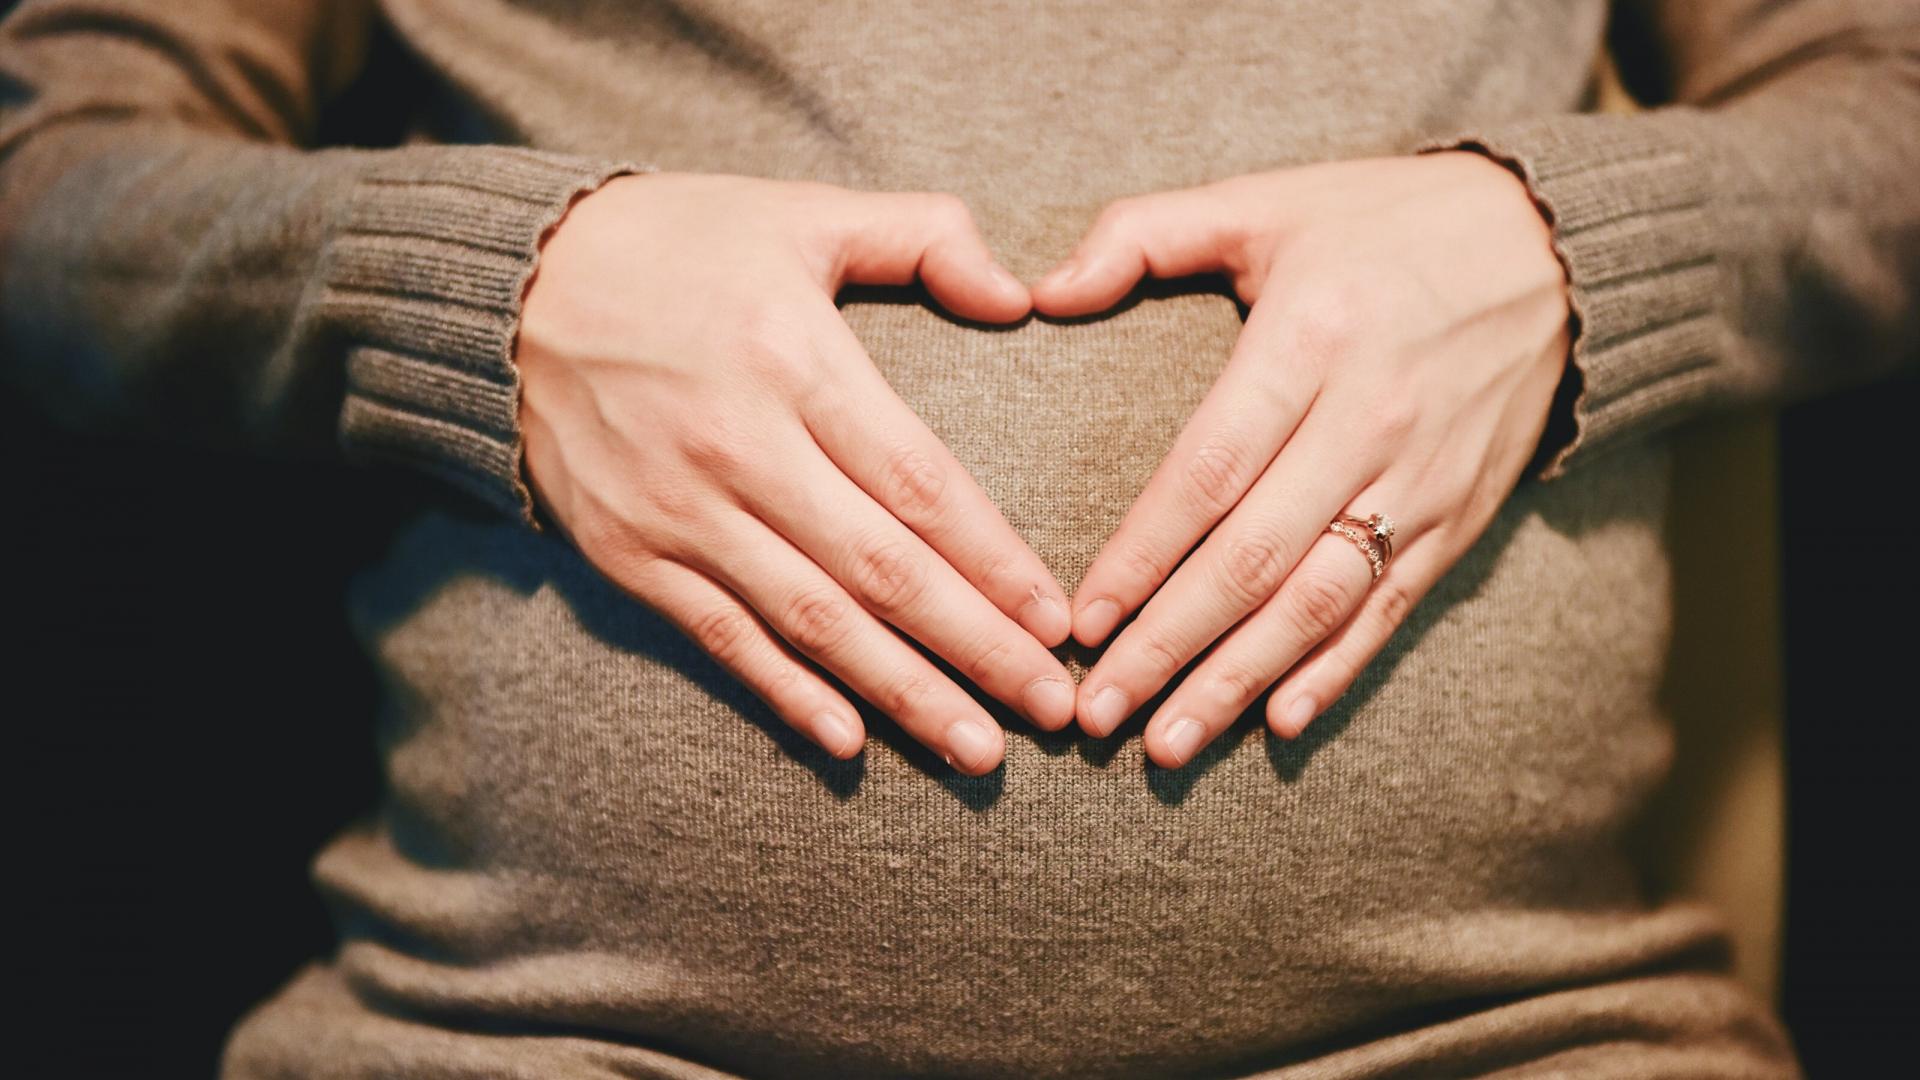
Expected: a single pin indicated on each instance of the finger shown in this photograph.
(877, 441)
(734, 636)
(812, 612)
(889, 238)
(1167, 234)
(1316, 599)
(1331, 667)
(897, 577)
(1227, 443)
(1234, 570)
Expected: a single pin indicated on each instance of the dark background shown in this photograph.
(194, 722)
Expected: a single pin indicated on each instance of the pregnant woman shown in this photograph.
(738, 720)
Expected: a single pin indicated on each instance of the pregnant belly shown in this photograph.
(592, 830)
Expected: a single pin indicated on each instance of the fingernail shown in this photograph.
(1096, 621)
(1049, 702)
(1107, 709)
(836, 733)
(1299, 712)
(1183, 738)
(1006, 279)
(1045, 618)
(969, 745)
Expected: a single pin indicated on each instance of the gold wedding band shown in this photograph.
(1373, 535)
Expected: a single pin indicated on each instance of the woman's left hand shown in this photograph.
(1408, 326)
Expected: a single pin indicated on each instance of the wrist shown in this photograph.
(1538, 238)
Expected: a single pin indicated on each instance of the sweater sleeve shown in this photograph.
(1753, 238)
(178, 257)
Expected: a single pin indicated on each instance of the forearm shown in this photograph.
(171, 260)
(1757, 241)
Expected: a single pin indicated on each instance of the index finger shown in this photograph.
(1234, 434)
(879, 442)
(1239, 566)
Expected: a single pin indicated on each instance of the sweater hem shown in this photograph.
(425, 277)
(1629, 211)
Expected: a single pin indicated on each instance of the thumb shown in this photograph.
(1164, 235)
(892, 237)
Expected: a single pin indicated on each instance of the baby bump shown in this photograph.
(592, 828)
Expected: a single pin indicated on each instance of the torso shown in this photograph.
(594, 833)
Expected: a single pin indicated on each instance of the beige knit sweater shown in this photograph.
(599, 856)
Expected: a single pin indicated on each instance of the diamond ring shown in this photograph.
(1373, 535)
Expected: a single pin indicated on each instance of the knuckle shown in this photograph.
(905, 695)
(624, 542)
(1255, 562)
(627, 564)
(780, 681)
(1238, 683)
(1118, 212)
(723, 632)
(888, 577)
(1317, 602)
(949, 211)
(1478, 495)
(816, 620)
(988, 661)
(677, 499)
(688, 539)
(991, 570)
(605, 534)
(1141, 562)
(756, 343)
(1218, 472)
(1394, 599)
(719, 446)
(1328, 321)
(916, 486)
(1159, 653)
(1391, 417)
(773, 350)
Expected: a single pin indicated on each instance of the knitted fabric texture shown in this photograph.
(601, 856)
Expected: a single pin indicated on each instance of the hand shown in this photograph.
(1408, 326)
(702, 423)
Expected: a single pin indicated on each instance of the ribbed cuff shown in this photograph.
(1628, 203)
(424, 278)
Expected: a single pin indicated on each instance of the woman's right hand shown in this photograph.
(704, 426)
